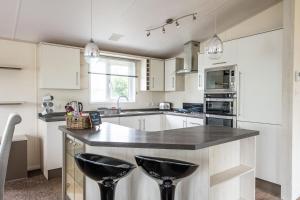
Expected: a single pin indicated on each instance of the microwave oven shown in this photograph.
(221, 79)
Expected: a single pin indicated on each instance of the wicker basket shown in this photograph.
(82, 122)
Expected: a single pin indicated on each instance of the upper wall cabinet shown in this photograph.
(229, 56)
(59, 67)
(173, 82)
(152, 75)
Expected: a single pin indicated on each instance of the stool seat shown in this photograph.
(106, 171)
(167, 172)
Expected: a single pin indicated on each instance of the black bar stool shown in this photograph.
(106, 171)
(166, 172)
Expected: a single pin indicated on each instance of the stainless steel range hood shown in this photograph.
(191, 50)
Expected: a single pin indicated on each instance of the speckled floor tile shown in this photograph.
(33, 188)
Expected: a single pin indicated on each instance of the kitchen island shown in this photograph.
(226, 159)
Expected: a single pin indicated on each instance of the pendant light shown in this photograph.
(91, 50)
(215, 45)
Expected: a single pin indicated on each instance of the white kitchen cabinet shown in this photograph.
(192, 122)
(59, 67)
(260, 77)
(174, 122)
(152, 123)
(157, 71)
(152, 75)
(113, 120)
(143, 122)
(229, 56)
(173, 82)
(201, 66)
(131, 122)
(267, 150)
(51, 140)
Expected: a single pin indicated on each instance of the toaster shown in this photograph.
(165, 106)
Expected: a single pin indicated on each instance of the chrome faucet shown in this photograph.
(118, 103)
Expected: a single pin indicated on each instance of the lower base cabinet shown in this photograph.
(51, 144)
(175, 122)
(74, 181)
(144, 123)
(154, 123)
(267, 150)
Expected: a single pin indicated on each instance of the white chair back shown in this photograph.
(5, 145)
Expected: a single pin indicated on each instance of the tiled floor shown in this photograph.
(33, 188)
(261, 195)
(38, 188)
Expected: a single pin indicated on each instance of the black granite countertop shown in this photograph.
(60, 116)
(111, 135)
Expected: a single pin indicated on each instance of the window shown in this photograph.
(111, 78)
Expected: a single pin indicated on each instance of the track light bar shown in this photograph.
(170, 21)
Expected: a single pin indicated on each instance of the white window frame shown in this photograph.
(131, 90)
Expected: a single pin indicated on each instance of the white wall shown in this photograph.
(20, 86)
(269, 19)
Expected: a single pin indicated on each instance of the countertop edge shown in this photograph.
(160, 146)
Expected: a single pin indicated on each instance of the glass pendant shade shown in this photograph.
(91, 52)
(215, 47)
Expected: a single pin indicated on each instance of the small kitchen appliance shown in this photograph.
(222, 79)
(165, 106)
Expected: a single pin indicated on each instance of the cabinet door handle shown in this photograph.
(193, 123)
(219, 63)
(173, 82)
(144, 124)
(239, 94)
(199, 80)
(152, 82)
(77, 78)
(140, 125)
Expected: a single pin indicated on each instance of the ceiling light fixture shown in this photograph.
(170, 21)
(91, 50)
(215, 45)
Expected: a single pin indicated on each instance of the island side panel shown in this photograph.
(138, 186)
(232, 170)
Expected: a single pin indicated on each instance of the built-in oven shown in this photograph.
(220, 104)
(220, 109)
(220, 79)
(221, 120)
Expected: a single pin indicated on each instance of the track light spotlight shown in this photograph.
(163, 30)
(177, 24)
(148, 33)
(194, 17)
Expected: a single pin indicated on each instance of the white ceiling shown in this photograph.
(68, 22)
